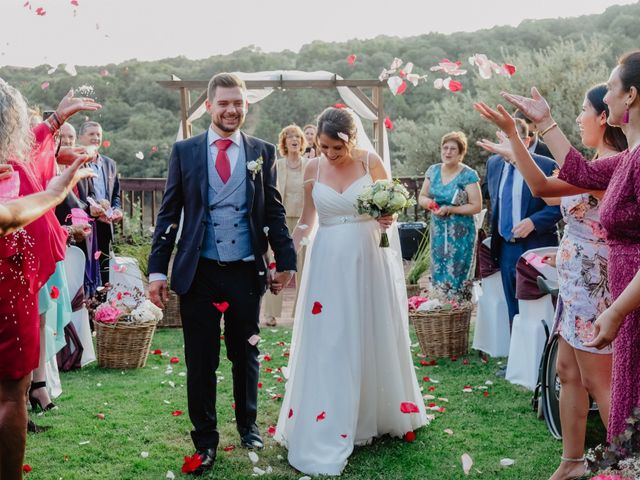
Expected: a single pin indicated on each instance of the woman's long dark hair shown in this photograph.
(613, 136)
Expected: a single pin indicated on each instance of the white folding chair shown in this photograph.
(74, 264)
(528, 337)
(491, 334)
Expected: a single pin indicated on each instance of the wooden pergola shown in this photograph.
(374, 100)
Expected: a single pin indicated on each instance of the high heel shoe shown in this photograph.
(35, 403)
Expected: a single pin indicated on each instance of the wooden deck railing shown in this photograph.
(142, 197)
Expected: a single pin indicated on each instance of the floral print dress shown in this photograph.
(453, 238)
(582, 271)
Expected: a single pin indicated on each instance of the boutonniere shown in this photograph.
(255, 167)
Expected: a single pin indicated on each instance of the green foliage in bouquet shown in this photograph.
(421, 260)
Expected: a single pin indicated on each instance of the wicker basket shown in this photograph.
(171, 317)
(442, 333)
(413, 290)
(123, 345)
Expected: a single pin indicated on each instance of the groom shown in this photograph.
(225, 181)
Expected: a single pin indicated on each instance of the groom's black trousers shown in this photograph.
(218, 282)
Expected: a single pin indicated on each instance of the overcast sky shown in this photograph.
(106, 31)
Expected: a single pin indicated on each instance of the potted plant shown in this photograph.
(421, 264)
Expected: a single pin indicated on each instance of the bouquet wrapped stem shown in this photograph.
(383, 198)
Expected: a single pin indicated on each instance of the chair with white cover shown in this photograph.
(491, 334)
(528, 335)
(74, 263)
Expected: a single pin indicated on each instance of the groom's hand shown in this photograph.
(280, 280)
(159, 293)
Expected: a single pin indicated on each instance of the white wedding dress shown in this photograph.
(350, 365)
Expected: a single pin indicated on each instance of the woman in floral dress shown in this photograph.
(619, 215)
(451, 190)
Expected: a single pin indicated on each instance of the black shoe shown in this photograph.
(35, 403)
(250, 437)
(33, 428)
(208, 457)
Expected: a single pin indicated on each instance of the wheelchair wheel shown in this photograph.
(550, 389)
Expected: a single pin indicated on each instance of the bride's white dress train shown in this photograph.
(350, 364)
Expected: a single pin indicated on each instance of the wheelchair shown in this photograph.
(546, 396)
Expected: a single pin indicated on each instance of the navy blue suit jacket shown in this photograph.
(543, 216)
(187, 188)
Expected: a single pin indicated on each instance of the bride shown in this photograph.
(350, 366)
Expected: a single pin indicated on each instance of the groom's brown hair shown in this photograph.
(224, 79)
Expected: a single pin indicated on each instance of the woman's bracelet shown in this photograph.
(546, 130)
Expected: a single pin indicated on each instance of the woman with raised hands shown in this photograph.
(584, 294)
(619, 175)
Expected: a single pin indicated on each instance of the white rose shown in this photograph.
(381, 199)
(155, 310)
(142, 315)
(367, 194)
(397, 202)
(252, 165)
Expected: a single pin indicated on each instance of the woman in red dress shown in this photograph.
(27, 255)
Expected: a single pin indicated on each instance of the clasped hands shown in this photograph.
(278, 280)
(101, 209)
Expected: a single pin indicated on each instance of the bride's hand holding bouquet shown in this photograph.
(382, 200)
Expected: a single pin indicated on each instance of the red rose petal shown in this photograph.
(426, 379)
(455, 86)
(176, 413)
(259, 384)
(486, 393)
(157, 351)
(55, 293)
(222, 306)
(290, 412)
(229, 448)
(431, 405)
(510, 69)
(410, 437)
(106, 143)
(97, 254)
(191, 463)
(343, 435)
(41, 12)
(119, 295)
(174, 360)
(267, 358)
(321, 416)
(44, 85)
(388, 123)
(409, 407)
(432, 389)
(351, 59)
(271, 430)
(233, 406)
(339, 105)
(279, 379)
(402, 88)
(465, 361)
(74, 3)
(104, 72)
(454, 358)
(26, 468)
(442, 409)
(272, 266)
(268, 370)
(317, 308)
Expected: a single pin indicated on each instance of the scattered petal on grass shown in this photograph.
(140, 155)
(170, 475)
(144, 454)
(258, 471)
(100, 416)
(448, 431)
(229, 448)
(85, 442)
(271, 430)
(488, 382)
(176, 413)
(26, 468)
(467, 463)
(467, 389)
(507, 462)
(410, 437)
(253, 456)
(174, 360)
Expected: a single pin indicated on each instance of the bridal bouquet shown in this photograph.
(384, 197)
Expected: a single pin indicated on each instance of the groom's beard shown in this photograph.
(224, 128)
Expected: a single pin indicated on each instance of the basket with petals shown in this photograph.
(441, 321)
(125, 325)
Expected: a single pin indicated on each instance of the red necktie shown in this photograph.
(223, 165)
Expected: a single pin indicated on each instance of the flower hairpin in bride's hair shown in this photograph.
(344, 137)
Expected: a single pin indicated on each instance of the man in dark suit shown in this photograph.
(519, 222)
(106, 188)
(226, 183)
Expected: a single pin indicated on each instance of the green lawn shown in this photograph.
(138, 405)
